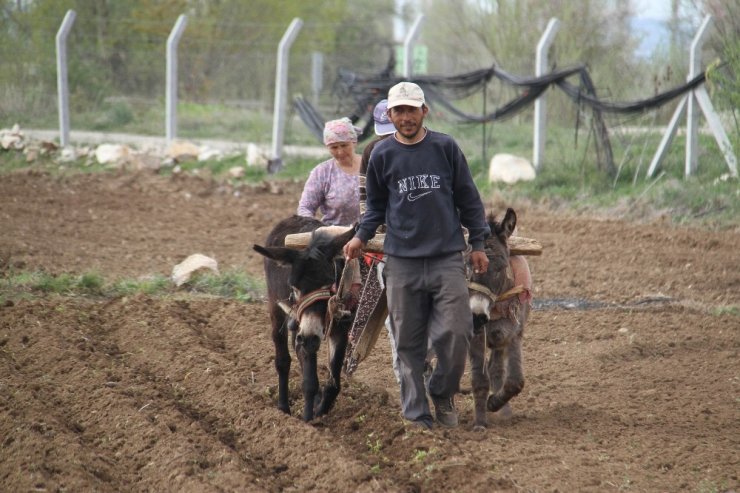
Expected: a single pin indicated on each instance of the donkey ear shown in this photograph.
(338, 242)
(509, 222)
(281, 255)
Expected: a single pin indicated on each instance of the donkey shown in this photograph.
(306, 280)
(500, 310)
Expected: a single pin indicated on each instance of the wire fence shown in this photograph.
(227, 83)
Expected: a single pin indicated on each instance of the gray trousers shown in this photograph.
(428, 300)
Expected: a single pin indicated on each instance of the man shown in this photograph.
(420, 186)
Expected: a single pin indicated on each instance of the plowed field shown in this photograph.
(635, 387)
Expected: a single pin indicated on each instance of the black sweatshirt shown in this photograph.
(423, 193)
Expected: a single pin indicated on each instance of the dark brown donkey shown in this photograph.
(301, 287)
(499, 316)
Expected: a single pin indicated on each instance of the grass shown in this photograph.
(231, 284)
(568, 178)
(194, 121)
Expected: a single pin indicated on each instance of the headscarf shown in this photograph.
(340, 130)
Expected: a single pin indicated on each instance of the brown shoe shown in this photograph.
(421, 424)
(444, 411)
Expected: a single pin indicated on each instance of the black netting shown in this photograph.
(364, 91)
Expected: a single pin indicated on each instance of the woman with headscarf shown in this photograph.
(333, 185)
(333, 188)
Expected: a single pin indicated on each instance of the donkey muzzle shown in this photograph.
(309, 344)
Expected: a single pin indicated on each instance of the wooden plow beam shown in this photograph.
(372, 309)
(517, 244)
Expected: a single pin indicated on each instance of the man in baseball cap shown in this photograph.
(405, 94)
(383, 124)
(419, 184)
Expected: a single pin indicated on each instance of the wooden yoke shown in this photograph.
(517, 244)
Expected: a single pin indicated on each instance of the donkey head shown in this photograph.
(497, 279)
(313, 274)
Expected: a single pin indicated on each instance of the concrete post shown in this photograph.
(408, 47)
(281, 89)
(317, 75)
(693, 110)
(171, 95)
(62, 86)
(540, 111)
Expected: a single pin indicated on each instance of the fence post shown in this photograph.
(317, 75)
(697, 97)
(692, 110)
(281, 88)
(171, 95)
(408, 47)
(62, 86)
(540, 107)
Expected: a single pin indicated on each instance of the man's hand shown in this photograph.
(353, 249)
(479, 260)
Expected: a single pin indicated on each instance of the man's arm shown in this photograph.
(469, 204)
(377, 201)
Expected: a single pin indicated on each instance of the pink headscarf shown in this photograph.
(340, 130)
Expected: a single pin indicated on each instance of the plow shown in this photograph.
(372, 308)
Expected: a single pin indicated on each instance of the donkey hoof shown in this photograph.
(480, 428)
(494, 404)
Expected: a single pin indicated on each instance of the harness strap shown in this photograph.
(511, 293)
(480, 288)
(502, 297)
(286, 308)
(310, 299)
(336, 307)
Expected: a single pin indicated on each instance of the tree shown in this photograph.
(473, 34)
(724, 81)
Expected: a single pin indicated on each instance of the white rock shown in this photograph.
(12, 138)
(236, 172)
(256, 156)
(183, 150)
(112, 153)
(510, 169)
(182, 272)
(68, 154)
(31, 153)
(208, 153)
(144, 161)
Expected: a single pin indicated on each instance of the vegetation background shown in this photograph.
(116, 52)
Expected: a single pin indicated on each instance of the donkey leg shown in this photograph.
(480, 381)
(306, 348)
(496, 370)
(514, 382)
(282, 365)
(337, 349)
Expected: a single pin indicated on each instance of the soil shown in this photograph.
(631, 359)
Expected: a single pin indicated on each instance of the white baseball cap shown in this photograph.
(405, 94)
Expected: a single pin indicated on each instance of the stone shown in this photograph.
(510, 169)
(256, 156)
(210, 154)
(182, 151)
(196, 262)
(236, 172)
(115, 154)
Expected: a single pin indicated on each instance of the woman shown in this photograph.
(333, 185)
(333, 188)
